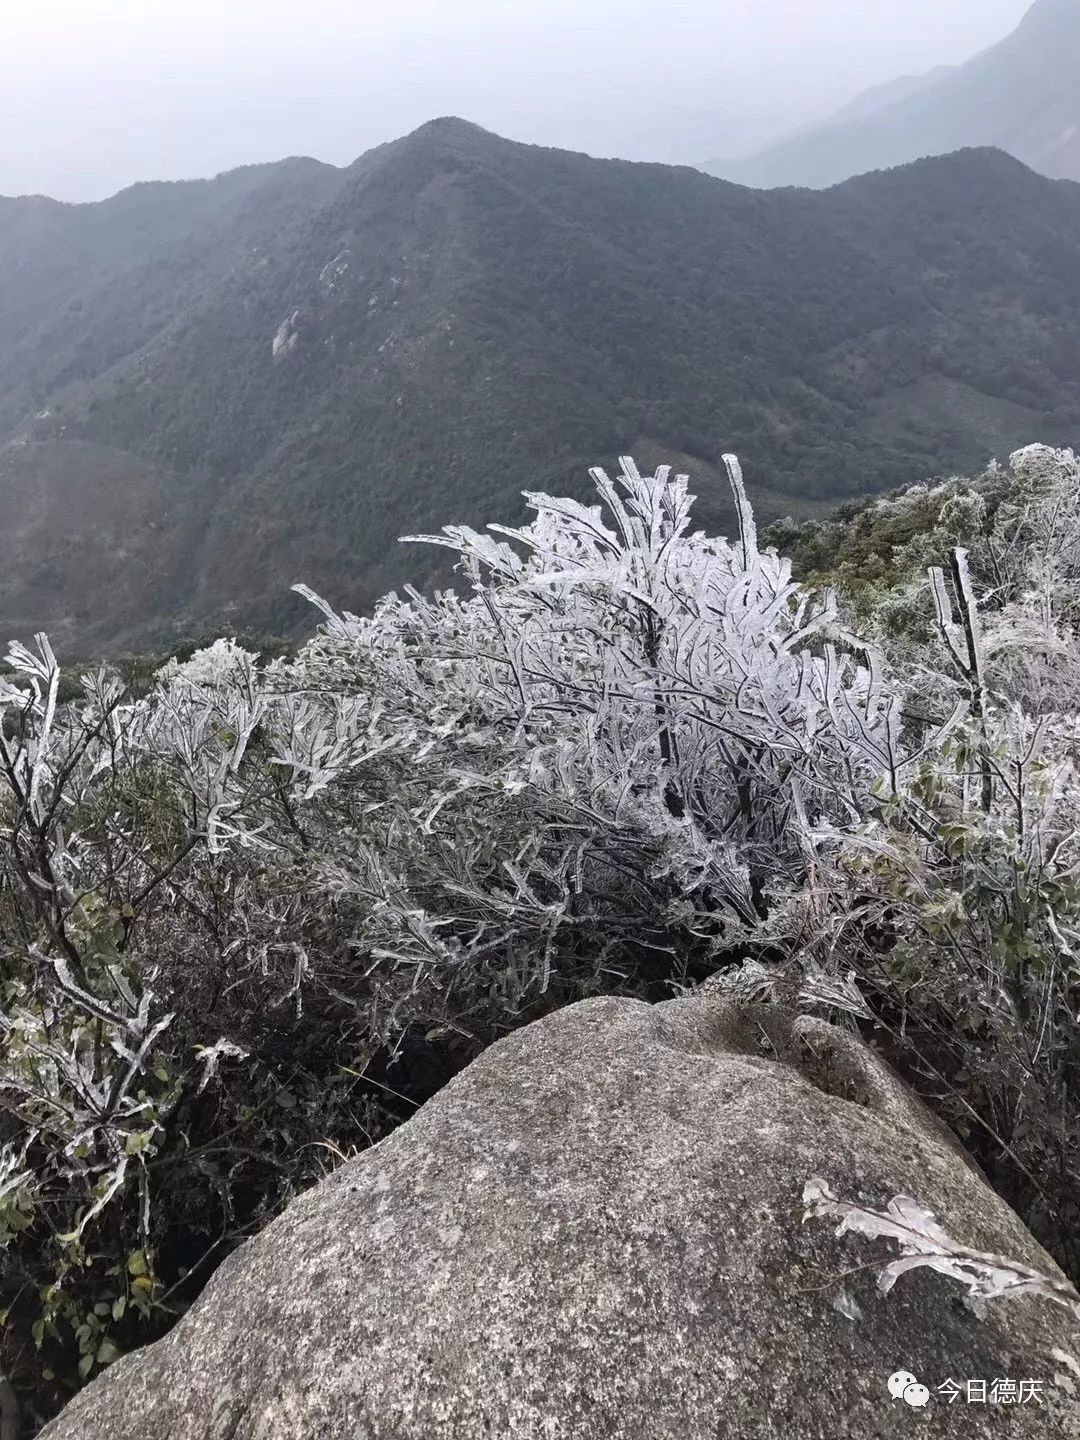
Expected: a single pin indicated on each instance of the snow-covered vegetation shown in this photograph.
(250, 919)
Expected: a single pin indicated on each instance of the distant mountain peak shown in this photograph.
(452, 125)
(1019, 96)
(1060, 11)
(447, 136)
(452, 131)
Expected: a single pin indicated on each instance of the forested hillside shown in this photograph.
(273, 375)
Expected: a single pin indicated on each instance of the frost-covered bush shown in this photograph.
(251, 918)
(958, 892)
(603, 759)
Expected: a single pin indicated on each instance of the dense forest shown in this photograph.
(256, 909)
(208, 391)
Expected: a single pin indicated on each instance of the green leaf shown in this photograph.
(137, 1263)
(107, 1353)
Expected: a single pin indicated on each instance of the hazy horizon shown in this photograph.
(115, 95)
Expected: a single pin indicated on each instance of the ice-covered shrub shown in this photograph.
(266, 908)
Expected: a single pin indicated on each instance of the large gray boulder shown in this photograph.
(595, 1233)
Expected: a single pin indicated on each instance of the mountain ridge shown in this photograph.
(300, 366)
(1016, 95)
(867, 102)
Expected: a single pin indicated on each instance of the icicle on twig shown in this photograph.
(747, 526)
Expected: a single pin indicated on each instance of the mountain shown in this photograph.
(209, 392)
(1019, 96)
(868, 102)
(880, 97)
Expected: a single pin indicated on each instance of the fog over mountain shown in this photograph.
(96, 97)
(1019, 95)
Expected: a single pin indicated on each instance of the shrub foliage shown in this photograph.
(251, 917)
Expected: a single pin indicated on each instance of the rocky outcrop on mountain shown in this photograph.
(596, 1232)
(287, 335)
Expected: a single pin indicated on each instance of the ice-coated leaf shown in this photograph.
(925, 1244)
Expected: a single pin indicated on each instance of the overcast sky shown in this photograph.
(95, 94)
